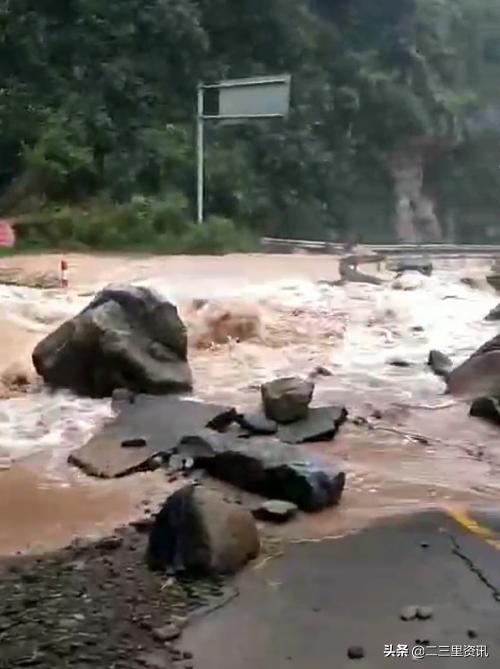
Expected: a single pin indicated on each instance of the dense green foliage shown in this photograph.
(97, 116)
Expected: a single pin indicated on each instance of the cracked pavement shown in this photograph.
(305, 609)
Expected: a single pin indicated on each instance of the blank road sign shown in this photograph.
(255, 97)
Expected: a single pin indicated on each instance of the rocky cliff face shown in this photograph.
(415, 219)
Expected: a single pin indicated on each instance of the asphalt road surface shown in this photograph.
(305, 609)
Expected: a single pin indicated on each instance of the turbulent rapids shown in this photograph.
(251, 318)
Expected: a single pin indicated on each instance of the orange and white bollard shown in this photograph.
(64, 273)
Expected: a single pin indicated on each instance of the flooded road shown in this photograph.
(423, 451)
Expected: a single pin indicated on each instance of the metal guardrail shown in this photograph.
(271, 244)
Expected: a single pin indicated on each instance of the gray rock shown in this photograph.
(409, 612)
(320, 424)
(425, 612)
(355, 652)
(487, 408)
(493, 278)
(287, 399)
(267, 467)
(257, 422)
(479, 375)
(168, 632)
(127, 337)
(275, 511)
(440, 364)
(399, 362)
(163, 419)
(197, 531)
(494, 314)
(320, 371)
(402, 265)
(134, 442)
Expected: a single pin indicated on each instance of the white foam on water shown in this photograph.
(379, 326)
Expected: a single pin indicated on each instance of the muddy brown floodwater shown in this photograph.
(424, 450)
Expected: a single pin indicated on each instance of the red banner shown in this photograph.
(7, 234)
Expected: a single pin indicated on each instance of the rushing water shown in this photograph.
(353, 330)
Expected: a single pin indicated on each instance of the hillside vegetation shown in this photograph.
(97, 103)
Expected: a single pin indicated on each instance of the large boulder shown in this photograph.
(197, 531)
(479, 375)
(266, 467)
(287, 399)
(127, 337)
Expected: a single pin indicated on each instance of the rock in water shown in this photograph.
(401, 265)
(440, 364)
(275, 511)
(493, 278)
(494, 314)
(197, 531)
(320, 424)
(487, 408)
(399, 362)
(287, 399)
(127, 337)
(267, 467)
(479, 375)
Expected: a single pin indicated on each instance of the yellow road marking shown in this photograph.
(462, 517)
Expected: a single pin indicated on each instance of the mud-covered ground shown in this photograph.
(97, 604)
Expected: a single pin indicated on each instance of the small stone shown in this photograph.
(472, 634)
(355, 652)
(187, 655)
(275, 511)
(425, 612)
(136, 442)
(399, 362)
(424, 544)
(123, 395)
(319, 370)
(409, 612)
(180, 621)
(168, 632)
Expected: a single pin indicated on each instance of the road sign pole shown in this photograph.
(239, 100)
(200, 152)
